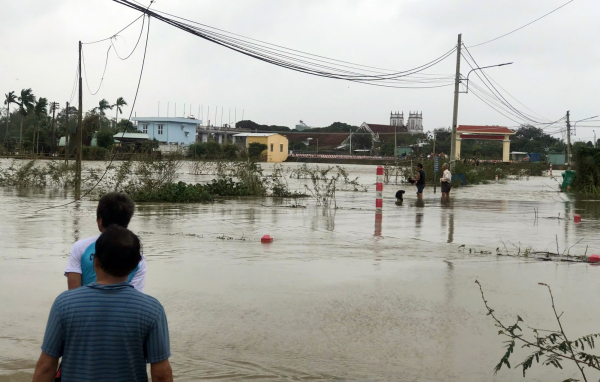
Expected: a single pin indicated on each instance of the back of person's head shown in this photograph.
(115, 208)
(419, 165)
(118, 251)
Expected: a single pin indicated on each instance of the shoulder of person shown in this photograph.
(83, 244)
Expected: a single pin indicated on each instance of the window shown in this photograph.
(145, 129)
(272, 147)
(281, 147)
(160, 129)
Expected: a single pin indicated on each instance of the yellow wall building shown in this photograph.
(277, 145)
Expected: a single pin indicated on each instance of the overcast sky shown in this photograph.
(556, 60)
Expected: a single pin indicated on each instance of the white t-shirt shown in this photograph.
(82, 246)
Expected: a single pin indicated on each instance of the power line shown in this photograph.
(136, 44)
(103, 72)
(513, 31)
(499, 95)
(122, 135)
(294, 59)
(114, 35)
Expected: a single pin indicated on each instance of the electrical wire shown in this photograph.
(274, 45)
(513, 31)
(114, 35)
(136, 44)
(122, 135)
(499, 95)
(495, 91)
(293, 59)
(74, 83)
(103, 72)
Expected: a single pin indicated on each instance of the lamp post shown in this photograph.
(483, 67)
(594, 138)
(575, 123)
(456, 91)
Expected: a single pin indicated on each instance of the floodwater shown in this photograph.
(334, 297)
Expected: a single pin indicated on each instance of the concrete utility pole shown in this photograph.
(54, 106)
(395, 141)
(79, 138)
(455, 113)
(568, 141)
(67, 134)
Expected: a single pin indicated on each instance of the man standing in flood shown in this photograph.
(107, 330)
(420, 181)
(445, 181)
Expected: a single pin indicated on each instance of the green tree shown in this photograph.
(11, 97)
(26, 105)
(105, 139)
(40, 111)
(102, 105)
(255, 149)
(118, 105)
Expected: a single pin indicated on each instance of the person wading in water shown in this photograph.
(445, 181)
(420, 181)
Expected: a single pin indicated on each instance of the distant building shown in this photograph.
(169, 130)
(302, 126)
(414, 124)
(396, 119)
(277, 145)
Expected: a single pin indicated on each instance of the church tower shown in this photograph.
(397, 119)
(415, 122)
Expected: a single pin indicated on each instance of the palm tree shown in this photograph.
(120, 102)
(102, 105)
(26, 102)
(10, 98)
(40, 110)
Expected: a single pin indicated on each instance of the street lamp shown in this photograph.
(594, 138)
(483, 67)
(456, 91)
(575, 123)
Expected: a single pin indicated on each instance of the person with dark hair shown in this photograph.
(107, 330)
(420, 181)
(114, 208)
(399, 195)
(445, 181)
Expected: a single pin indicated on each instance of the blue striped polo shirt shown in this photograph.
(106, 333)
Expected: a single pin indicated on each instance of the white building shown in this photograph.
(414, 124)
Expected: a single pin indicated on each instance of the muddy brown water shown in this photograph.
(328, 299)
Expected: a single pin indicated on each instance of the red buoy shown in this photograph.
(594, 259)
(266, 239)
(577, 218)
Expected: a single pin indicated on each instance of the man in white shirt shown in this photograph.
(445, 181)
(114, 208)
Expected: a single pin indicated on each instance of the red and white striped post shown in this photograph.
(379, 190)
(379, 201)
(550, 169)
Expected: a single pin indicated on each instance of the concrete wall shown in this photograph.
(172, 132)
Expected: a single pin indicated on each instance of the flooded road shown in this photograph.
(329, 299)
